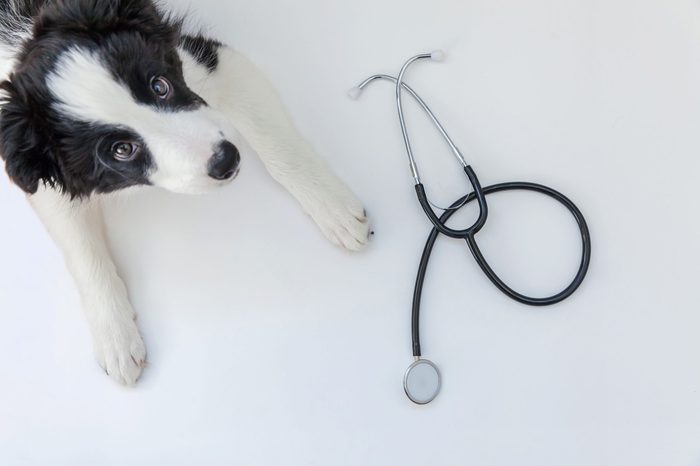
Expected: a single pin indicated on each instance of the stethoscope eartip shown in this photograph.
(438, 55)
(354, 93)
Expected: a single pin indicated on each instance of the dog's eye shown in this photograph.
(161, 87)
(125, 151)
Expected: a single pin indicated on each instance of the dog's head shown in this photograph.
(98, 102)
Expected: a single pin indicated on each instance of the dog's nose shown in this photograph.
(225, 161)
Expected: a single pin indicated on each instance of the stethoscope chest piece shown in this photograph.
(422, 382)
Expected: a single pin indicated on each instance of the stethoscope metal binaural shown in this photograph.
(422, 380)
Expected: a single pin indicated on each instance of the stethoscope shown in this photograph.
(422, 380)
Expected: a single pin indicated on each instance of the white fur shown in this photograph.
(241, 91)
(18, 31)
(242, 98)
(76, 227)
(7, 60)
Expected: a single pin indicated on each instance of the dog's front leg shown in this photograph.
(243, 92)
(77, 228)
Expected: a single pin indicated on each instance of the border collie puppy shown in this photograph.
(101, 95)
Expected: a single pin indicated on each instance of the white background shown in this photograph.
(268, 346)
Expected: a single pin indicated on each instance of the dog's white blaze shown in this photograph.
(181, 142)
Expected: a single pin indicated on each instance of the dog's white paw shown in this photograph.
(340, 216)
(120, 350)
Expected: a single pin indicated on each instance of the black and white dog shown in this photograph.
(102, 95)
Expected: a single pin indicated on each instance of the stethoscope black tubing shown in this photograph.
(440, 225)
(481, 260)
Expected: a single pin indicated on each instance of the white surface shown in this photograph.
(268, 346)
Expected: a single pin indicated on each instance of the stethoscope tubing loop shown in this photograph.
(585, 250)
(578, 280)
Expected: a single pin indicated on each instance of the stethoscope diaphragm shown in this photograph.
(422, 382)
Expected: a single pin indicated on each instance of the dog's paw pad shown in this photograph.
(120, 351)
(344, 221)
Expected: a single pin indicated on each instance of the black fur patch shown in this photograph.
(204, 50)
(136, 42)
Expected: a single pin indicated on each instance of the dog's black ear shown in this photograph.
(104, 16)
(24, 143)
